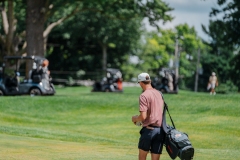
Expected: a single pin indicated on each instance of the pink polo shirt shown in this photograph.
(151, 101)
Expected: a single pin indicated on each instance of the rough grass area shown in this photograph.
(79, 124)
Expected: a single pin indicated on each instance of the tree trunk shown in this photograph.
(197, 71)
(104, 60)
(8, 41)
(35, 27)
(10, 32)
(176, 62)
(34, 30)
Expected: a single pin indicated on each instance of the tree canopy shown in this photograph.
(229, 24)
(91, 35)
(114, 26)
(224, 44)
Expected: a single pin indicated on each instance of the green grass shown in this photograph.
(79, 124)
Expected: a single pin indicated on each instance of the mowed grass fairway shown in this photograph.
(79, 124)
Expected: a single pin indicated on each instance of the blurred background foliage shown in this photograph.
(84, 37)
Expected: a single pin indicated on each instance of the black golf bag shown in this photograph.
(177, 143)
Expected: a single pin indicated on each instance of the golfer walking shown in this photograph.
(151, 109)
(213, 82)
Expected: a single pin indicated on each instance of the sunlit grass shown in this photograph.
(79, 124)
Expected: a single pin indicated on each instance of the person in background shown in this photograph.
(213, 82)
(33, 71)
(45, 73)
(150, 118)
(170, 81)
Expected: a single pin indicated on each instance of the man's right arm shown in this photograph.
(139, 118)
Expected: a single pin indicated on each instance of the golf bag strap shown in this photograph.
(166, 108)
(164, 123)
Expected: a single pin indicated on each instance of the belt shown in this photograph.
(152, 127)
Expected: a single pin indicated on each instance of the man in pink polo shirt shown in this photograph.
(151, 109)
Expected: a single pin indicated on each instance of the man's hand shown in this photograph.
(134, 119)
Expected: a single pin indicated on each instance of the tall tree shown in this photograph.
(35, 27)
(115, 19)
(111, 25)
(229, 23)
(11, 42)
(179, 45)
(190, 64)
(109, 32)
(225, 42)
(220, 53)
(153, 10)
(45, 15)
(42, 17)
(40, 23)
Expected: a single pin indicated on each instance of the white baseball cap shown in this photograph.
(143, 77)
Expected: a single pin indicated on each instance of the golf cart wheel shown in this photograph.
(35, 92)
(53, 90)
(1, 93)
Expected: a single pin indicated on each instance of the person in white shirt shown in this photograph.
(213, 82)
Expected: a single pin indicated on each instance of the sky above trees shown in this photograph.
(192, 12)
